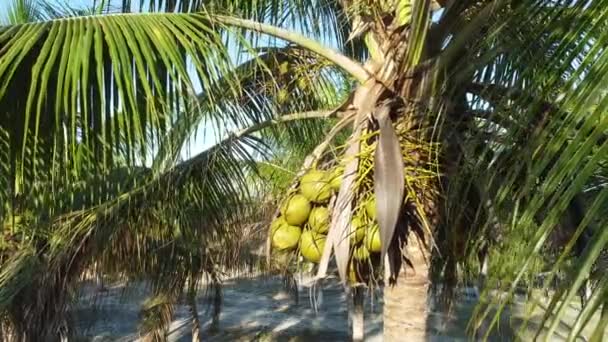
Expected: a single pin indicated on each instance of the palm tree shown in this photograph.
(473, 123)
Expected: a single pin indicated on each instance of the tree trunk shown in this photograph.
(357, 317)
(217, 307)
(406, 303)
(196, 324)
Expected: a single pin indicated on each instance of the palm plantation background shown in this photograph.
(490, 116)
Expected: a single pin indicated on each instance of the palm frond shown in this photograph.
(157, 315)
(22, 11)
(544, 139)
(115, 97)
(166, 227)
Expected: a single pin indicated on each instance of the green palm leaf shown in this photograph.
(549, 150)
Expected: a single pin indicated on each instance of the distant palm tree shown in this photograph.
(479, 120)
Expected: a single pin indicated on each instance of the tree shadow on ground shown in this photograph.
(254, 309)
(258, 308)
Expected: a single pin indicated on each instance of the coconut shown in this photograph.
(352, 274)
(370, 207)
(357, 230)
(296, 210)
(315, 186)
(302, 83)
(278, 222)
(286, 237)
(361, 253)
(282, 96)
(319, 219)
(336, 178)
(372, 239)
(177, 233)
(284, 68)
(311, 245)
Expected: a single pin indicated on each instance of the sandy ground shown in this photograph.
(259, 309)
(253, 309)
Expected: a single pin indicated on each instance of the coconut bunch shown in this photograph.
(299, 233)
(311, 209)
(364, 265)
(304, 218)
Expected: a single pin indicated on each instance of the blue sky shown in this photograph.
(5, 5)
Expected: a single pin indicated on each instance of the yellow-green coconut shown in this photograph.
(361, 253)
(282, 96)
(370, 207)
(286, 237)
(372, 239)
(352, 274)
(296, 210)
(357, 230)
(278, 222)
(177, 233)
(315, 186)
(336, 178)
(319, 219)
(311, 245)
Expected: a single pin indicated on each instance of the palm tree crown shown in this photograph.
(475, 125)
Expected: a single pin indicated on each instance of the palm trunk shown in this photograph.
(217, 307)
(357, 318)
(196, 324)
(406, 304)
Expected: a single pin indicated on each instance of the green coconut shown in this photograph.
(283, 68)
(372, 239)
(370, 207)
(357, 230)
(177, 233)
(303, 83)
(278, 222)
(361, 253)
(336, 178)
(311, 245)
(282, 96)
(315, 186)
(352, 274)
(286, 237)
(296, 210)
(319, 219)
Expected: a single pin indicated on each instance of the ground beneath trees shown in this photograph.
(259, 309)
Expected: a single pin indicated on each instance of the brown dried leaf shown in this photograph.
(364, 100)
(388, 177)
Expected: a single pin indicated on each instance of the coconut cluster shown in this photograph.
(304, 220)
(365, 241)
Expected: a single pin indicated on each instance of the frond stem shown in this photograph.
(279, 120)
(352, 67)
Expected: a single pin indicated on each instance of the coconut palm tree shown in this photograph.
(473, 124)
